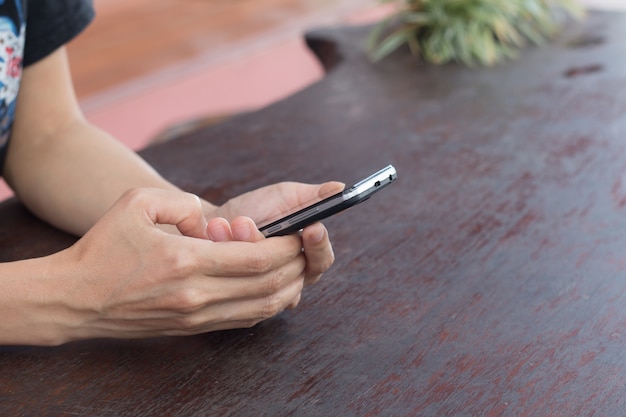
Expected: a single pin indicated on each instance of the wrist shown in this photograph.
(36, 302)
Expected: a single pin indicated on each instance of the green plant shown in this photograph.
(483, 32)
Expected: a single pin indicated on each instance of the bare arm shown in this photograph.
(126, 277)
(56, 157)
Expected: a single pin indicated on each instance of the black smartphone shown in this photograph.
(350, 196)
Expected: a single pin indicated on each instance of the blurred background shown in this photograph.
(145, 70)
(144, 66)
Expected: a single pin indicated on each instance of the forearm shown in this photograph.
(72, 178)
(65, 170)
(31, 303)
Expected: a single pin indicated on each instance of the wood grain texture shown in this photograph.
(489, 280)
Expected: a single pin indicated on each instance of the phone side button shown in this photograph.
(272, 229)
(304, 215)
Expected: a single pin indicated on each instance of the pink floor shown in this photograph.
(241, 83)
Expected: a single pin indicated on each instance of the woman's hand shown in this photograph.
(269, 203)
(128, 278)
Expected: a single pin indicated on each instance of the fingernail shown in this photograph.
(318, 234)
(217, 232)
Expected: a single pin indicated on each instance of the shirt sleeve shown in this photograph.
(51, 24)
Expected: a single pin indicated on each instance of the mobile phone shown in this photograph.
(350, 196)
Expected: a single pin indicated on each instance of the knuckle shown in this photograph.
(181, 263)
(274, 283)
(194, 199)
(259, 262)
(328, 262)
(322, 264)
(135, 195)
(187, 323)
(313, 279)
(188, 300)
(273, 305)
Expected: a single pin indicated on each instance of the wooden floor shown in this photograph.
(132, 38)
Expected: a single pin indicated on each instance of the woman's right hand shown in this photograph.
(127, 278)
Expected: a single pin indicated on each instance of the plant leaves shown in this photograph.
(473, 32)
(391, 43)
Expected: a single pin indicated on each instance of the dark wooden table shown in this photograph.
(490, 280)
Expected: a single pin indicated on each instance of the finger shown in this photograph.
(219, 230)
(260, 309)
(307, 193)
(232, 314)
(184, 210)
(282, 199)
(192, 294)
(264, 285)
(330, 188)
(318, 251)
(241, 259)
(244, 229)
(297, 196)
(238, 313)
(296, 301)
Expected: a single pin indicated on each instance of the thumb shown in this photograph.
(183, 210)
(330, 188)
(245, 230)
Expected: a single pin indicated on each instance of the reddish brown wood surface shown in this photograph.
(489, 280)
